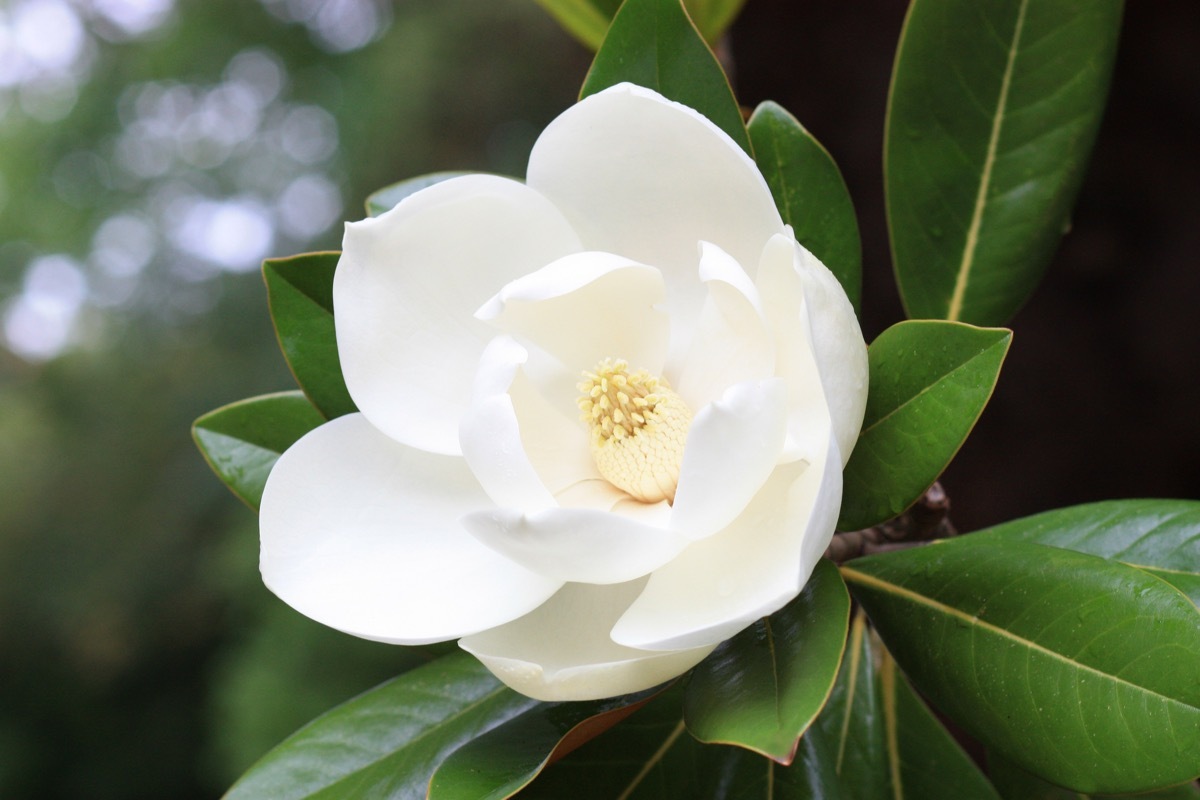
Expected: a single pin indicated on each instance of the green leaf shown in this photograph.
(1015, 783)
(1079, 669)
(924, 760)
(651, 757)
(993, 110)
(386, 198)
(852, 720)
(586, 20)
(810, 193)
(712, 17)
(300, 294)
(929, 383)
(1159, 536)
(388, 741)
(762, 688)
(653, 43)
(243, 440)
(504, 760)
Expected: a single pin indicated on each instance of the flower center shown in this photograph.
(638, 427)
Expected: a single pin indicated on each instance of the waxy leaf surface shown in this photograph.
(653, 43)
(929, 383)
(810, 193)
(386, 742)
(243, 440)
(993, 109)
(1014, 783)
(762, 688)
(1079, 669)
(300, 294)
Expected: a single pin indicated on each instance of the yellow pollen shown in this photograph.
(637, 428)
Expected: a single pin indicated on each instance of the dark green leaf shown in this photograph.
(762, 688)
(386, 198)
(243, 440)
(924, 759)
(300, 293)
(1015, 783)
(852, 720)
(712, 17)
(993, 110)
(588, 20)
(929, 383)
(388, 741)
(653, 43)
(504, 760)
(810, 193)
(1160, 536)
(1079, 669)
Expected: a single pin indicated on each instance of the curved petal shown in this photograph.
(732, 448)
(562, 650)
(576, 544)
(408, 284)
(361, 533)
(639, 175)
(731, 342)
(788, 277)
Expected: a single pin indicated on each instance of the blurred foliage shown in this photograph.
(140, 655)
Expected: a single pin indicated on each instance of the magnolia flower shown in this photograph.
(604, 412)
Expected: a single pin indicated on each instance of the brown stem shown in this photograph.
(927, 519)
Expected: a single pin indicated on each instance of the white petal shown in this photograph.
(731, 342)
(751, 569)
(639, 175)
(562, 650)
(788, 277)
(577, 544)
(362, 534)
(732, 448)
(580, 310)
(407, 287)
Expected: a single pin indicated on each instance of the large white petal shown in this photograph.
(788, 277)
(407, 287)
(562, 650)
(732, 448)
(362, 534)
(639, 175)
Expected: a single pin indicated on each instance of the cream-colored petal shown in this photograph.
(562, 650)
(789, 277)
(732, 448)
(407, 287)
(639, 175)
(731, 342)
(361, 533)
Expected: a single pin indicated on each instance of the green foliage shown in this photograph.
(929, 383)
(588, 20)
(243, 440)
(388, 741)
(653, 43)
(993, 110)
(1056, 659)
(1014, 783)
(300, 293)
(762, 688)
(810, 193)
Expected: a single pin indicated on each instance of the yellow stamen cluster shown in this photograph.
(638, 427)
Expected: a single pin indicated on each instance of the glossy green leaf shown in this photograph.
(929, 383)
(300, 294)
(386, 198)
(1014, 783)
(504, 760)
(924, 760)
(762, 688)
(810, 193)
(993, 109)
(588, 20)
(1079, 669)
(653, 43)
(243, 440)
(852, 720)
(388, 741)
(1160, 536)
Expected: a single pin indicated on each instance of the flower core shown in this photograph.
(638, 427)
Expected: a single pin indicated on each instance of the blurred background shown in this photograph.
(152, 152)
